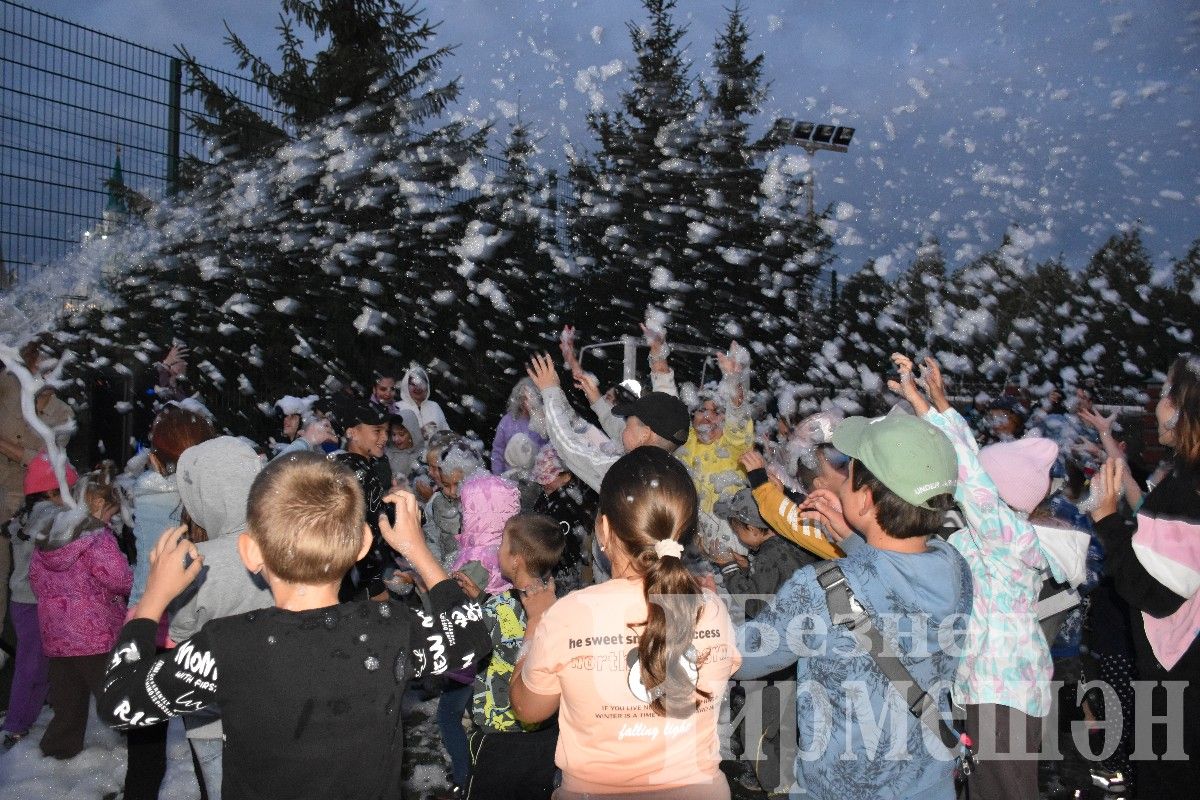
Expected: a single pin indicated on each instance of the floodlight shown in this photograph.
(803, 130)
(823, 134)
(842, 136)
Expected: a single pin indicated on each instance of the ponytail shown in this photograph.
(650, 503)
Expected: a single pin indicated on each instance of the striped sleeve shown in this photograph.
(1134, 580)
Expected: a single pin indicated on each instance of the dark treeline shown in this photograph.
(374, 228)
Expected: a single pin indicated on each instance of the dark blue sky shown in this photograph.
(1069, 117)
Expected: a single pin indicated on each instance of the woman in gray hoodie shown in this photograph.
(214, 480)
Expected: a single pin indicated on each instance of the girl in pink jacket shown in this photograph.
(81, 580)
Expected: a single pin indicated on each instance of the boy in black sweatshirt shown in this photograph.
(309, 690)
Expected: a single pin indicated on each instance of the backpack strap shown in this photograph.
(845, 610)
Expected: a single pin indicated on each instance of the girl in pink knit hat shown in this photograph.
(43, 505)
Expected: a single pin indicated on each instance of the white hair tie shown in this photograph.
(668, 547)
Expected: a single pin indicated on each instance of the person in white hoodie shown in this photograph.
(414, 397)
(214, 481)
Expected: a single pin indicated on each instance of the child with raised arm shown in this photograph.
(1004, 676)
(309, 690)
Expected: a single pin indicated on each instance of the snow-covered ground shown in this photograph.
(25, 774)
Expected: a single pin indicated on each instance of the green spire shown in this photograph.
(116, 188)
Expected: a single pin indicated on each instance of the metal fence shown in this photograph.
(71, 99)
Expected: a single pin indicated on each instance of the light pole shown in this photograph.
(811, 136)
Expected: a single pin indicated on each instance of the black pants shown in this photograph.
(512, 766)
(74, 681)
(1004, 769)
(147, 761)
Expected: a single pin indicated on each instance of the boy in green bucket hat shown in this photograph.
(857, 737)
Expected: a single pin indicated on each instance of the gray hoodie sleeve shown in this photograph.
(585, 460)
(613, 426)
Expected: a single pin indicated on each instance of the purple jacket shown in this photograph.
(509, 427)
(81, 589)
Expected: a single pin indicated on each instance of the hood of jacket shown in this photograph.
(411, 425)
(420, 375)
(63, 557)
(214, 480)
(488, 502)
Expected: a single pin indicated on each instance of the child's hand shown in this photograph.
(103, 511)
(541, 370)
(405, 536)
(752, 460)
(728, 361)
(537, 598)
(174, 564)
(934, 384)
(566, 344)
(424, 489)
(587, 384)
(1110, 477)
(829, 508)
(469, 587)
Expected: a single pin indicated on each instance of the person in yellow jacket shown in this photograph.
(721, 432)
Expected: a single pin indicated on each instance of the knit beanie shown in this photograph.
(1021, 470)
(39, 475)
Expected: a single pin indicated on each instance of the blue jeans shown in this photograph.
(451, 705)
(208, 755)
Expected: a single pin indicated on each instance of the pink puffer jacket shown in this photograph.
(488, 502)
(81, 589)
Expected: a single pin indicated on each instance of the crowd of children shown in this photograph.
(685, 594)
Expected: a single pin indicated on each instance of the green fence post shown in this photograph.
(173, 124)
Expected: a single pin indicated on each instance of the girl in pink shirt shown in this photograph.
(635, 667)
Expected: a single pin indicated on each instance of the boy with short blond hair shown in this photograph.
(309, 690)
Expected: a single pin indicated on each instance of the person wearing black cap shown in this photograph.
(656, 419)
(364, 426)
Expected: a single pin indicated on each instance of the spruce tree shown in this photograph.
(727, 238)
(519, 275)
(300, 267)
(1119, 338)
(637, 193)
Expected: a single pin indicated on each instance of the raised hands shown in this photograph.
(175, 361)
(566, 344)
(541, 370)
(908, 387)
(732, 360)
(1101, 423)
(587, 384)
(656, 338)
(828, 509)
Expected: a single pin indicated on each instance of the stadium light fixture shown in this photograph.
(812, 136)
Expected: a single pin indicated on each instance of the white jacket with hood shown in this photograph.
(429, 413)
